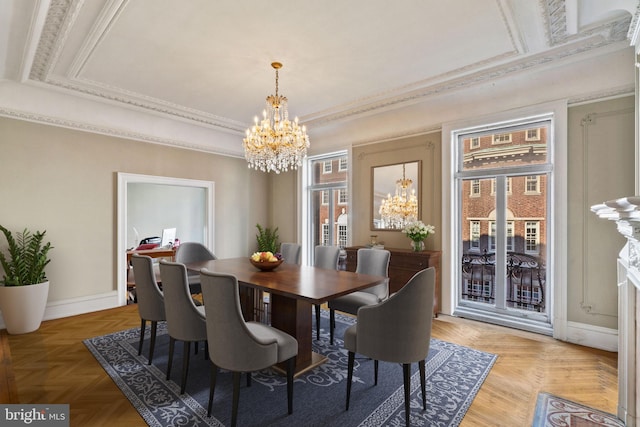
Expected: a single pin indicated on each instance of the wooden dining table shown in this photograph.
(293, 289)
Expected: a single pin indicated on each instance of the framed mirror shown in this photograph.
(395, 195)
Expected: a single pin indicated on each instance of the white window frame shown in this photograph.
(493, 185)
(343, 196)
(510, 234)
(474, 188)
(501, 138)
(343, 235)
(527, 180)
(327, 167)
(474, 235)
(325, 233)
(536, 137)
(535, 225)
(556, 196)
(309, 186)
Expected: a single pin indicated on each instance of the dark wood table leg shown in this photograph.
(247, 302)
(293, 316)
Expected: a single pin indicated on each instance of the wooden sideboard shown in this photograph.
(403, 264)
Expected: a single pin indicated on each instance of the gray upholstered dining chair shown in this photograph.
(185, 321)
(150, 299)
(240, 346)
(397, 330)
(324, 257)
(370, 261)
(193, 252)
(290, 252)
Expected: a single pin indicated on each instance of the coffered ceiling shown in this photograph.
(101, 65)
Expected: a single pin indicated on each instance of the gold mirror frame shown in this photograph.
(383, 183)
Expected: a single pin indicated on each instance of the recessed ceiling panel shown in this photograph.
(214, 56)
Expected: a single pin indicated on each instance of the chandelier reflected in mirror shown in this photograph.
(275, 143)
(396, 211)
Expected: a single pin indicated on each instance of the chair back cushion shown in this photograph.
(184, 321)
(231, 345)
(290, 253)
(399, 328)
(375, 262)
(326, 257)
(148, 294)
(193, 252)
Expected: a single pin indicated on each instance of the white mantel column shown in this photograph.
(626, 213)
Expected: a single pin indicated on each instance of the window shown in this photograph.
(493, 186)
(532, 134)
(532, 239)
(342, 196)
(326, 167)
(474, 242)
(325, 234)
(501, 138)
(507, 187)
(475, 187)
(474, 143)
(342, 235)
(532, 184)
(325, 203)
(492, 236)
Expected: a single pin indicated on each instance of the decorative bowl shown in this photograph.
(266, 265)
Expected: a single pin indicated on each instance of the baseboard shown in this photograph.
(75, 306)
(592, 336)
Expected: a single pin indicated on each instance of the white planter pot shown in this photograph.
(23, 306)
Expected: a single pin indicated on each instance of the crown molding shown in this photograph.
(62, 14)
(111, 131)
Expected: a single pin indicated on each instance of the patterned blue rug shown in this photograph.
(454, 376)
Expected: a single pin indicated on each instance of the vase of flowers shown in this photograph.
(418, 231)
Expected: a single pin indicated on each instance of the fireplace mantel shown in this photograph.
(626, 213)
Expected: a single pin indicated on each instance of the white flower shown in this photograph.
(418, 230)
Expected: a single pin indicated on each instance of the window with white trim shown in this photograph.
(343, 164)
(474, 241)
(532, 134)
(343, 198)
(475, 187)
(501, 138)
(532, 184)
(327, 167)
(532, 237)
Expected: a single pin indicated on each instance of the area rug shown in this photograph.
(454, 376)
(554, 411)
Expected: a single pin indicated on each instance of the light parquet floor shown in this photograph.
(53, 366)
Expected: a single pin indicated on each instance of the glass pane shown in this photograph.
(478, 241)
(506, 148)
(526, 259)
(328, 204)
(332, 170)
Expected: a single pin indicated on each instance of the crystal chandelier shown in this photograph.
(396, 211)
(275, 143)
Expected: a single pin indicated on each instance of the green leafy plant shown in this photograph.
(27, 258)
(267, 239)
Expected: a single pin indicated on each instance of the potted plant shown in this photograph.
(24, 287)
(267, 239)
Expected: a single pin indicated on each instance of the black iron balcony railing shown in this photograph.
(525, 281)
